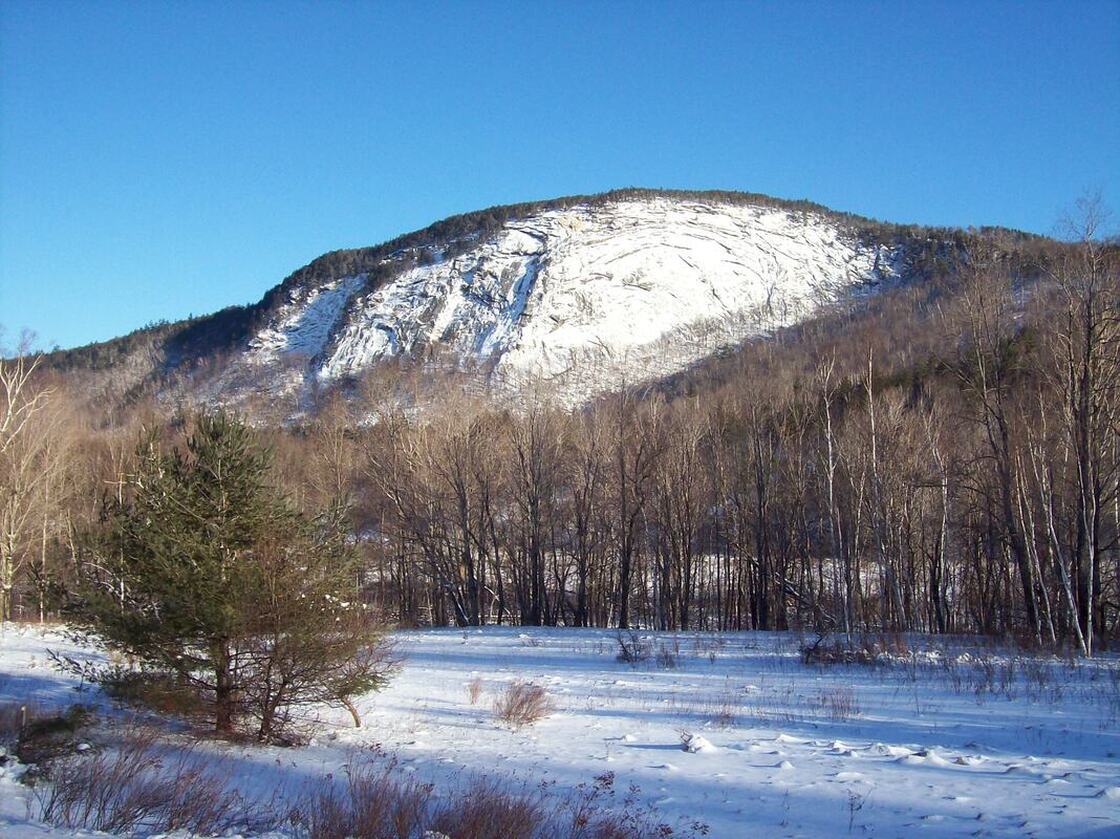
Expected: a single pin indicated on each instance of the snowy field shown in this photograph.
(948, 741)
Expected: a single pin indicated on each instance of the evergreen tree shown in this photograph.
(204, 570)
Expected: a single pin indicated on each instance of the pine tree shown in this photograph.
(205, 571)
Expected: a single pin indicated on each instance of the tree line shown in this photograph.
(945, 459)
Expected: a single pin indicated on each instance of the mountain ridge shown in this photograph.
(197, 347)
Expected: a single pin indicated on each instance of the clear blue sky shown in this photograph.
(158, 159)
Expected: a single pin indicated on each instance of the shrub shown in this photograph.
(42, 737)
(486, 810)
(867, 651)
(14, 717)
(632, 648)
(522, 703)
(374, 803)
(140, 782)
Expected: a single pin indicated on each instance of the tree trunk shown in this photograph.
(223, 690)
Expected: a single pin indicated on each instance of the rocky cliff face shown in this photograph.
(577, 295)
(581, 296)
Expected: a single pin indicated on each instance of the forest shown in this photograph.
(943, 457)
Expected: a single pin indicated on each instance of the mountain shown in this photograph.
(578, 293)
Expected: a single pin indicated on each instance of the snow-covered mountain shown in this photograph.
(581, 296)
(577, 295)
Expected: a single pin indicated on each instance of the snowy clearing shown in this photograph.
(729, 730)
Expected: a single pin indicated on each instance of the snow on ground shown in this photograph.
(739, 734)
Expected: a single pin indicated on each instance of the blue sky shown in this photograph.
(159, 159)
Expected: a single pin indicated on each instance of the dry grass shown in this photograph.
(725, 709)
(141, 782)
(522, 703)
(839, 704)
(708, 647)
(474, 690)
(486, 810)
(374, 803)
(667, 656)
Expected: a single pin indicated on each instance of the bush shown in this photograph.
(14, 717)
(868, 650)
(486, 811)
(632, 648)
(522, 703)
(140, 782)
(43, 737)
(34, 736)
(374, 803)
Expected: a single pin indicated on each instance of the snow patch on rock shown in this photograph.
(582, 297)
